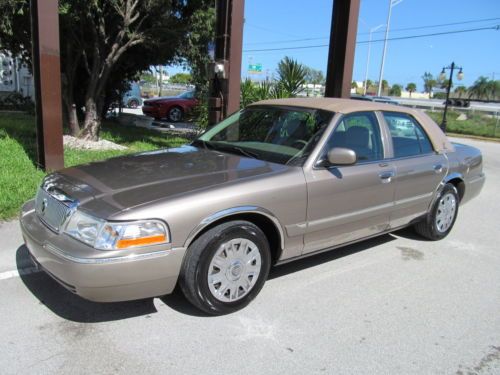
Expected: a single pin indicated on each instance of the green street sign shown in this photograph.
(254, 68)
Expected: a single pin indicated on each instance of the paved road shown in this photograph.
(392, 305)
(438, 103)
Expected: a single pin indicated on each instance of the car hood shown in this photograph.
(108, 187)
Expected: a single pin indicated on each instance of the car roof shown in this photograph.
(344, 106)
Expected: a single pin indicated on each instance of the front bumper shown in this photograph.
(99, 275)
(151, 111)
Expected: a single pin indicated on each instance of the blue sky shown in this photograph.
(269, 21)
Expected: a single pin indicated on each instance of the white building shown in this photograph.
(15, 76)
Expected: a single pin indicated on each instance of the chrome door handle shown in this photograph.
(386, 176)
(438, 168)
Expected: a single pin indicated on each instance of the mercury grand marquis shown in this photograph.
(275, 182)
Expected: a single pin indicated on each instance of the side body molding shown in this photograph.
(235, 211)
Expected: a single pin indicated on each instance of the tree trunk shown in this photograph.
(92, 122)
(71, 118)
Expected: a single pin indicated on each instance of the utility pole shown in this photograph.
(368, 55)
(392, 3)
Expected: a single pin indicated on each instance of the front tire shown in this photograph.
(226, 267)
(175, 114)
(441, 218)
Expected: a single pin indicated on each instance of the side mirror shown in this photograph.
(342, 156)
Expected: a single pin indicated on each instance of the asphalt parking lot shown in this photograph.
(392, 305)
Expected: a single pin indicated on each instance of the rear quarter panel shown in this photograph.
(466, 163)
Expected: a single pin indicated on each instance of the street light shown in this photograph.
(392, 3)
(442, 77)
(368, 55)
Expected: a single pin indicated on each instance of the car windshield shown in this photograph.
(187, 95)
(281, 135)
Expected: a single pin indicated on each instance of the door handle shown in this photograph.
(438, 168)
(386, 176)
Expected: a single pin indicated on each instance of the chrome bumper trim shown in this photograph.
(132, 257)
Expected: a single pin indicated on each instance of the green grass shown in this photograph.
(19, 176)
(476, 124)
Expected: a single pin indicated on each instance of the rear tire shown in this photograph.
(133, 103)
(226, 267)
(441, 218)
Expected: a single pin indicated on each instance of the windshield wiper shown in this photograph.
(205, 144)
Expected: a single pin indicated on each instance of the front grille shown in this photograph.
(50, 211)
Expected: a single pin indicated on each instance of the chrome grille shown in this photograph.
(50, 211)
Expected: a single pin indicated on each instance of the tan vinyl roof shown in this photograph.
(438, 138)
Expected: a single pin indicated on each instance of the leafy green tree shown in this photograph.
(354, 85)
(395, 90)
(181, 78)
(103, 43)
(429, 82)
(314, 76)
(411, 87)
(291, 76)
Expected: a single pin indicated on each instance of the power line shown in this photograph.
(393, 30)
(497, 27)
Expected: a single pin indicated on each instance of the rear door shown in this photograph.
(419, 169)
(346, 203)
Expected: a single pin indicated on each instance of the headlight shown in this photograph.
(119, 235)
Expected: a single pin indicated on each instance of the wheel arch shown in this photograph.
(259, 216)
(457, 180)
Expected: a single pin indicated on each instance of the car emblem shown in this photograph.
(44, 206)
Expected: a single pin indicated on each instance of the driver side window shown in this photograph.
(359, 132)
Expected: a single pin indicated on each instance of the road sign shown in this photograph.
(254, 68)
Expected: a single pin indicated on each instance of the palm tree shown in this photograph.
(429, 82)
(480, 88)
(247, 93)
(385, 85)
(494, 88)
(291, 75)
(460, 90)
(411, 87)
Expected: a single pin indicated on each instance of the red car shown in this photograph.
(174, 108)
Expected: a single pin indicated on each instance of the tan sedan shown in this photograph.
(278, 181)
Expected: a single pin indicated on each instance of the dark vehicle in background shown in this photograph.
(173, 108)
(377, 99)
(384, 99)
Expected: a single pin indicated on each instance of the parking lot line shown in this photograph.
(16, 273)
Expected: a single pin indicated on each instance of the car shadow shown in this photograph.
(71, 307)
(74, 308)
(328, 256)
(410, 234)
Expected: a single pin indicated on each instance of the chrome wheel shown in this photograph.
(445, 214)
(234, 269)
(175, 114)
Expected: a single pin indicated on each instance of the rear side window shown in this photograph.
(408, 136)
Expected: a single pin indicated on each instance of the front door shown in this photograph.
(346, 203)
